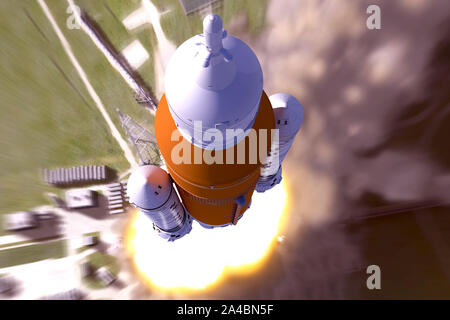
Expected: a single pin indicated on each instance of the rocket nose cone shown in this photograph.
(212, 23)
(148, 187)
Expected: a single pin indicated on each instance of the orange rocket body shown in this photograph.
(209, 191)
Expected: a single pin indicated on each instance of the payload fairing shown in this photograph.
(220, 135)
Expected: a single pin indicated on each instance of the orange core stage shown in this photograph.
(214, 193)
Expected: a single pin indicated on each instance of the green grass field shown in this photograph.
(32, 253)
(107, 82)
(48, 118)
(109, 15)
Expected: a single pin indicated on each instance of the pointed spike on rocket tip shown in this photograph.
(212, 23)
(213, 32)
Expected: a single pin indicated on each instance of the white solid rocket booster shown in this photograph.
(288, 118)
(150, 189)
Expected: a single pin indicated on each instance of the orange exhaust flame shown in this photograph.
(203, 258)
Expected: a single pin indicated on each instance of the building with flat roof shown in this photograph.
(81, 198)
(191, 6)
(19, 221)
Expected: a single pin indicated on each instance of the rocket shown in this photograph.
(219, 134)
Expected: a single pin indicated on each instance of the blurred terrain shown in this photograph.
(368, 173)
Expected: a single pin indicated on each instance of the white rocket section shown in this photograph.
(288, 119)
(150, 189)
(216, 81)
